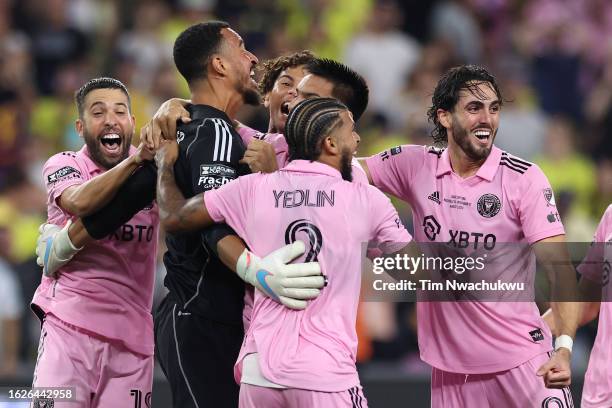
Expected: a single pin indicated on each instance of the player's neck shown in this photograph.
(461, 163)
(331, 161)
(217, 96)
(272, 128)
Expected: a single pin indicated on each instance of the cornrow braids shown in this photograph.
(272, 68)
(308, 123)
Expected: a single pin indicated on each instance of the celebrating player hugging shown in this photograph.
(264, 233)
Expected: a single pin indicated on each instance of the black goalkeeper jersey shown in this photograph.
(209, 154)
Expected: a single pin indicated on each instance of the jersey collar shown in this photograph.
(306, 166)
(486, 171)
(207, 111)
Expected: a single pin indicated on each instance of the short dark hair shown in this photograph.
(308, 123)
(195, 46)
(273, 67)
(99, 83)
(446, 94)
(349, 87)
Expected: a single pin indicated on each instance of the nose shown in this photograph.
(110, 119)
(486, 118)
(356, 137)
(253, 58)
(293, 92)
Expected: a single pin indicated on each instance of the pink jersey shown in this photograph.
(277, 140)
(315, 348)
(107, 288)
(508, 200)
(597, 390)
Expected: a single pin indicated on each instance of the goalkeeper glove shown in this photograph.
(54, 248)
(291, 285)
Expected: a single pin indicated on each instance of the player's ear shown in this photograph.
(266, 100)
(78, 125)
(218, 66)
(445, 118)
(330, 145)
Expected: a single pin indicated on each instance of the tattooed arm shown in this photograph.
(176, 213)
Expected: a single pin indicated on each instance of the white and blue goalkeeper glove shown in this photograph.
(289, 284)
(54, 248)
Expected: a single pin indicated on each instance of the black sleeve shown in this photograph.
(135, 194)
(212, 161)
(212, 235)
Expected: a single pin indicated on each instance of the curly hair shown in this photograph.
(272, 68)
(446, 94)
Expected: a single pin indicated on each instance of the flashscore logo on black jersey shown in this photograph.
(215, 175)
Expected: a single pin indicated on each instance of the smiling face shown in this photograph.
(283, 92)
(473, 123)
(242, 63)
(107, 126)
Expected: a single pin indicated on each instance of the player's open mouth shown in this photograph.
(483, 135)
(111, 143)
(252, 77)
(285, 108)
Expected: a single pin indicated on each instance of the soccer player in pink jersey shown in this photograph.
(97, 328)
(483, 354)
(300, 358)
(595, 290)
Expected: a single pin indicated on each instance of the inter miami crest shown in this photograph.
(488, 205)
(549, 197)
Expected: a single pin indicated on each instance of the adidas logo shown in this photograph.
(435, 197)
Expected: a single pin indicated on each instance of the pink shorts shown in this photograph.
(252, 396)
(101, 373)
(519, 387)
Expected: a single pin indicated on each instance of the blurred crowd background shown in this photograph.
(553, 60)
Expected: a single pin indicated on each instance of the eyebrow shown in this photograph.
(285, 76)
(481, 103)
(93, 105)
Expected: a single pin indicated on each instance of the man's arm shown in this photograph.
(590, 300)
(86, 198)
(552, 254)
(177, 214)
(364, 166)
(290, 285)
(56, 245)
